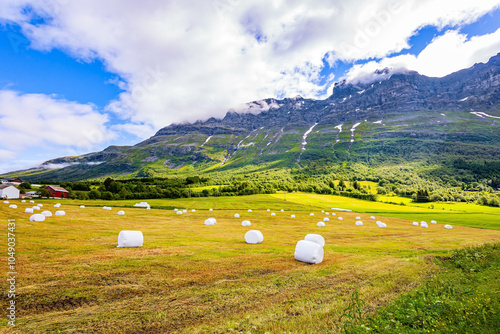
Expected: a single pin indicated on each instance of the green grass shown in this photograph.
(192, 278)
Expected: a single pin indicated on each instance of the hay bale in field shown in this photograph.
(424, 225)
(315, 238)
(148, 208)
(340, 218)
(236, 215)
(47, 213)
(322, 211)
(210, 221)
(311, 214)
(309, 252)
(327, 213)
(210, 209)
(359, 223)
(60, 213)
(130, 239)
(415, 223)
(249, 210)
(23, 201)
(282, 210)
(36, 207)
(176, 210)
(141, 205)
(13, 206)
(121, 213)
(433, 222)
(273, 214)
(28, 210)
(184, 211)
(292, 216)
(5, 202)
(448, 227)
(179, 212)
(32, 201)
(40, 205)
(57, 205)
(254, 237)
(193, 210)
(320, 224)
(268, 210)
(334, 214)
(37, 217)
(82, 206)
(326, 219)
(246, 223)
(372, 217)
(358, 218)
(380, 224)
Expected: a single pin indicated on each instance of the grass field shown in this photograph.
(192, 278)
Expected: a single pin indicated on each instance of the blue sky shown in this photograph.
(76, 77)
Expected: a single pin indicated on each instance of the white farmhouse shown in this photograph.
(8, 191)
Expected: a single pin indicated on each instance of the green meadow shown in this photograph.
(193, 278)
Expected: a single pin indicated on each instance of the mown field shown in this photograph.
(192, 278)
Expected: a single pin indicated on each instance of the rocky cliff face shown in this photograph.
(361, 121)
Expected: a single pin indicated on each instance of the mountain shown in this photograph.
(390, 118)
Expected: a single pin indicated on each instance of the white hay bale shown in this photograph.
(311, 214)
(184, 211)
(340, 218)
(210, 209)
(47, 213)
(359, 223)
(415, 223)
(322, 211)
(193, 210)
(23, 201)
(246, 223)
(236, 215)
(327, 213)
(424, 225)
(249, 210)
(423, 222)
(57, 205)
(176, 210)
(32, 201)
(5, 202)
(13, 206)
(40, 205)
(273, 214)
(320, 224)
(82, 206)
(433, 222)
(315, 238)
(121, 213)
(210, 221)
(37, 217)
(60, 213)
(36, 207)
(309, 252)
(372, 217)
(28, 210)
(148, 208)
(254, 237)
(292, 216)
(282, 210)
(334, 214)
(326, 219)
(130, 239)
(179, 212)
(268, 210)
(380, 224)
(448, 227)
(358, 218)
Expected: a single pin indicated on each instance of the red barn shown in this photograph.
(57, 191)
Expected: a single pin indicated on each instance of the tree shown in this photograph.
(44, 192)
(25, 185)
(94, 194)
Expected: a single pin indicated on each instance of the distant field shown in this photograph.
(192, 278)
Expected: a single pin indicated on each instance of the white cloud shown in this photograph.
(37, 121)
(187, 60)
(446, 54)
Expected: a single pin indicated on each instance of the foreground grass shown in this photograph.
(192, 278)
(461, 298)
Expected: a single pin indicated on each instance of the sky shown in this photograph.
(79, 75)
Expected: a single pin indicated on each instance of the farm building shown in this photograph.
(8, 191)
(15, 181)
(59, 192)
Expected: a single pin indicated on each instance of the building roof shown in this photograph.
(60, 189)
(3, 186)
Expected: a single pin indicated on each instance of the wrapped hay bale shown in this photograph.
(415, 223)
(424, 225)
(179, 212)
(327, 213)
(268, 210)
(358, 218)
(210, 221)
(316, 238)
(184, 211)
(176, 210)
(36, 207)
(282, 210)
(254, 237)
(130, 239)
(372, 217)
(246, 223)
(322, 211)
(60, 213)
(448, 227)
(23, 201)
(40, 205)
(309, 252)
(380, 224)
(433, 222)
(82, 206)
(359, 223)
(148, 208)
(236, 215)
(311, 214)
(13, 206)
(57, 205)
(340, 218)
(249, 210)
(5, 202)
(193, 210)
(32, 201)
(292, 216)
(320, 224)
(121, 213)
(210, 209)
(37, 217)
(326, 219)
(28, 210)
(47, 213)
(273, 214)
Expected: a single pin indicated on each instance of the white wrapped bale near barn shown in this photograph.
(32, 201)
(326, 219)
(309, 252)
(320, 224)
(57, 205)
(210, 221)
(23, 201)
(448, 227)
(254, 237)
(246, 223)
(37, 217)
(359, 223)
(47, 213)
(130, 239)
(236, 215)
(60, 213)
(28, 210)
(13, 206)
(121, 213)
(317, 238)
(5, 202)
